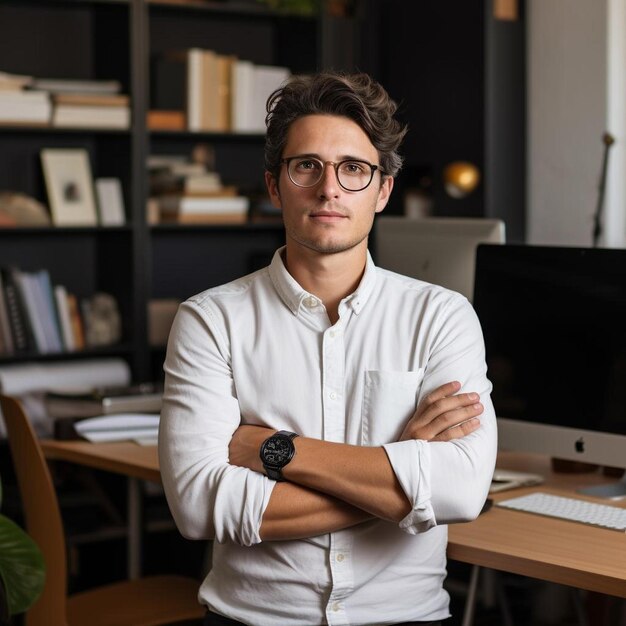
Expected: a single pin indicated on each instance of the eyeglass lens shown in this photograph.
(352, 175)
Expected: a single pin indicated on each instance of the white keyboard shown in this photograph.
(604, 515)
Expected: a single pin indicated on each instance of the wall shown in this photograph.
(576, 66)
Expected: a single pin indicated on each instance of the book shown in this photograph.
(92, 99)
(267, 78)
(60, 297)
(21, 331)
(5, 327)
(25, 107)
(204, 218)
(203, 205)
(195, 69)
(66, 85)
(78, 330)
(242, 93)
(145, 398)
(14, 82)
(166, 120)
(83, 116)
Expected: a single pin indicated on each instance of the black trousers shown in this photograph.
(213, 619)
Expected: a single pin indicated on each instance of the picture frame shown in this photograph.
(110, 201)
(69, 185)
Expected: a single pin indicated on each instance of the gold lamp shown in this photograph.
(460, 178)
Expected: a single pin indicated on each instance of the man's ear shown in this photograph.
(272, 188)
(384, 193)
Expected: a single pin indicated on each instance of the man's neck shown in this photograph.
(330, 277)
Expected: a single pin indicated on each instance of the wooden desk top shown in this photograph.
(522, 543)
(123, 457)
(564, 552)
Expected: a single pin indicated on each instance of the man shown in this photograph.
(374, 380)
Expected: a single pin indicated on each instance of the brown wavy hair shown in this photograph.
(355, 96)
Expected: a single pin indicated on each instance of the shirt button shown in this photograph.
(336, 606)
(340, 557)
(333, 395)
(332, 334)
(310, 302)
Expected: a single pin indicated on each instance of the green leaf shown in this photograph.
(22, 567)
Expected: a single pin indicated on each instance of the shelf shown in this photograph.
(226, 8)
(204, 228)
(123, 348)
(61, 231)
(187, 134)
(59, 130)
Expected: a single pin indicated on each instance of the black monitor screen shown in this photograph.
(554, 321)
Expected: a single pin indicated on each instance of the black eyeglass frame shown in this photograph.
(336, 165)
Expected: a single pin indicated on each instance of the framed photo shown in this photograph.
(110, 201)
(69, 186)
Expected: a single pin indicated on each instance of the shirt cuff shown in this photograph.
(410, 461)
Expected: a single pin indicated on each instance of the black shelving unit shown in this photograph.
(118, 39)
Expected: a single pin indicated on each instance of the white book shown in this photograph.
(267, 78)
(195, 85)
(91, 116)
(24, 97)
(63, 85)
(242, 97)
(181, 205)
(60, 297)
(17, 109)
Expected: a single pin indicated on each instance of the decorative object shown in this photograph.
(460, 178)
(103, 324)
(70, 187)
(110, 201)
(18, 209)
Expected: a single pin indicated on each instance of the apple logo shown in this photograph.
(580, 445)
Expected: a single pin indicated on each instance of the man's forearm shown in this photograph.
(361, 476)
(295, 512)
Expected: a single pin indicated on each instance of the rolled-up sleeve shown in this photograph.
(448, 482)
(208, 497)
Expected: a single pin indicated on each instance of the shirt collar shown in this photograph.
(294, 296)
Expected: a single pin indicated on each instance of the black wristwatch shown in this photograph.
(276, 451)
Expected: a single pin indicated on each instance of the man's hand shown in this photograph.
(245, 446)
(442, 415)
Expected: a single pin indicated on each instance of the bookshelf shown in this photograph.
(119, 40)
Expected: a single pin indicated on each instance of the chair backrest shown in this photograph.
(42, 513)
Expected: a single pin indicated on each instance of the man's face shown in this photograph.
(326, 218)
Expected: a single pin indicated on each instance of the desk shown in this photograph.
(539, 547)
(130, 459)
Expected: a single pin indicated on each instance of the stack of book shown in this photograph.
(212, 92)
(188, 193)
(87, 103)
(19, 106)
(37, 316)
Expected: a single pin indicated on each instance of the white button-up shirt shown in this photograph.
(261, 350)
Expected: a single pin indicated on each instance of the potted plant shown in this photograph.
(22, 570)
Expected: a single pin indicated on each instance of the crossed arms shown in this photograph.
(332, 486)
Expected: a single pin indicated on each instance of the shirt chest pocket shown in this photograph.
(389, 401)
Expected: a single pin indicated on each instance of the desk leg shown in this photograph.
(470, 601)
(134, 528)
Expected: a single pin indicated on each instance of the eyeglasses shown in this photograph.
(352, 174)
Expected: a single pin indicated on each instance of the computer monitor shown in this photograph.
(439, 250)
(554, 321)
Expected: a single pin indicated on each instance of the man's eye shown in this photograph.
(353, 167)
(307, 166)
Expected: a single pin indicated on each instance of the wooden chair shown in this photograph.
(145, 602)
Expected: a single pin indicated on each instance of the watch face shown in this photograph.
(277, 451)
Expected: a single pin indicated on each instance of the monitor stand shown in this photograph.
(613, 491)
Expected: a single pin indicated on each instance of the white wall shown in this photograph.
(576, 65)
